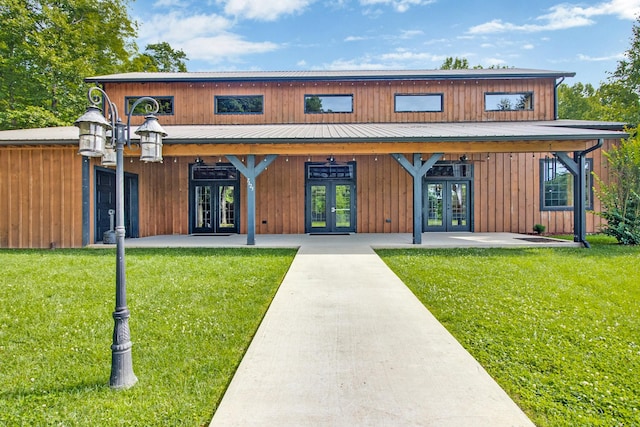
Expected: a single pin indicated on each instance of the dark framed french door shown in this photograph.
(105, 203)
(330, 198)
(447, 205)
(214, 195)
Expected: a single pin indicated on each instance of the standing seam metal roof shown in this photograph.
(362, 132)
(354, 75)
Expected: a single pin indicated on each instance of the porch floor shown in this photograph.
(342, 242)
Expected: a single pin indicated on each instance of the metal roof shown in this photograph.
(347, 133)
(355, 75)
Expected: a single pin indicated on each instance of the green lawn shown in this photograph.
(559, 329)
(193, 314)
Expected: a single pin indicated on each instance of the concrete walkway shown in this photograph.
(345, 343)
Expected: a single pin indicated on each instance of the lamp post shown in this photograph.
(95, 141)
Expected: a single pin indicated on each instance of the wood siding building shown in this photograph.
(317, 152)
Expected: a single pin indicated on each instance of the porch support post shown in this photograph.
(86, 205)
(577, 167)
(417, 170)
(251, 172)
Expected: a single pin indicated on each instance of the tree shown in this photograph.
(621, 197)
(53, 45)
(625, 80)
(578, 102)
(160, 57)
(455, 64)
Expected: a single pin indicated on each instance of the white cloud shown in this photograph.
(224, 47)
(263, 10)
(354, 64)
(171, 3)
(398, 5)
(564, 16)
(200, 36)
(588, 58)
(528, 46)
(177, 27)
(407, 34)
(355, 38)
(402, 55)
(494, 62)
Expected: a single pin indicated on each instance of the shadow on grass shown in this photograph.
(596, 251)
(83, 387)
(88, 252)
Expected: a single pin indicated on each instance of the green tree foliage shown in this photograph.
(451, 63)
(621, 198)
(47, 48)
(456, 63)
(160, 57)
(579, 102)
(618, 99)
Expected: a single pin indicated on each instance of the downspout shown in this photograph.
(581, 154)
(555, 99)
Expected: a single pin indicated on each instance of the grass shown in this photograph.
(559, 329)
(193, 314)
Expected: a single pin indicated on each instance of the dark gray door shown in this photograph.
(330, 207)
(447, 206)
(105, 190)
(214, 208)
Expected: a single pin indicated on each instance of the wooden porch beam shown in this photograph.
(304, 149)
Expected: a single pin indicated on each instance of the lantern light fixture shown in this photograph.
(105, 137)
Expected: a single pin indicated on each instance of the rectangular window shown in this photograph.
(321, 104)
(213, 173)
(165, 103)
(556, 190)
(508, 101)
(250, 104)
(418, 103)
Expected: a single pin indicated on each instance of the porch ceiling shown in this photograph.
(356, 138)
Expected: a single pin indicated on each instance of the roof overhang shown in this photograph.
(329, 75)
(361, 138)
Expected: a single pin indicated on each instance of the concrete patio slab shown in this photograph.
(390, 240)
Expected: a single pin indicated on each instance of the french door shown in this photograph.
(447, 206)
(213, 199)
(214, 208)
(330, 207)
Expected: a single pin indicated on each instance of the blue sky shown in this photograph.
(587, 37)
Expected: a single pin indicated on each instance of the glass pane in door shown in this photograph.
(226, 211)
(203, 207)
(435, 205)
(318, 206)
(459, 204)
(343, 206)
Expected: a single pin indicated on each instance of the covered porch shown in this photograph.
(349, 241)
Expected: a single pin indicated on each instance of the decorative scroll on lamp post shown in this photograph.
(106, 137)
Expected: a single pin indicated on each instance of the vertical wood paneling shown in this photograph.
(40, 197)
(373, 102)
(4, 197)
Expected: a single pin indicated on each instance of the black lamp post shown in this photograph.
(96, 142)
